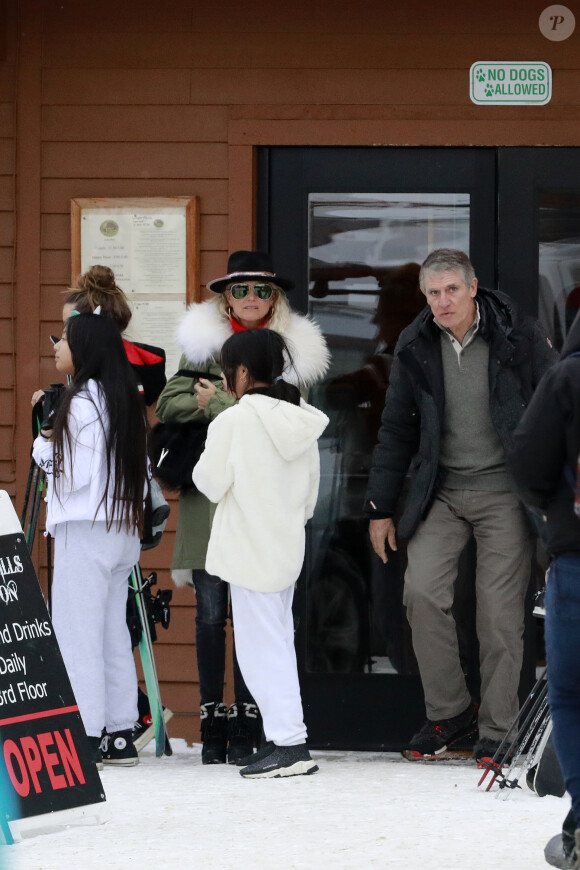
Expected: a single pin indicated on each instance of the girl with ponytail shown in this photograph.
(261, 467)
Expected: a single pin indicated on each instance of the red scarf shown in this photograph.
(237, 326)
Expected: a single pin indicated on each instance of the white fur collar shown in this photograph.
(203, 331)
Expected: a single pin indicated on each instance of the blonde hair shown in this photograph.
(95, 287)
(280, 312)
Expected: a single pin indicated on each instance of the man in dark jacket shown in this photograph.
(463, 373)
(545, 464)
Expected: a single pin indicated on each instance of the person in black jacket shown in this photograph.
(463, 373)
(545, 464)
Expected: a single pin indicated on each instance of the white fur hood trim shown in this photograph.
(203, 331)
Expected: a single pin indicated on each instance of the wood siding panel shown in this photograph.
(6, 228)
(57, 193)
(7, 344)
(434, 112)
(328, 86)
(125, 160)
(325, 50)
(6, 84)
(6, 192)
(161, 49)
(181, 627)
(214, 232)
(130, 17)
(7, 409)
(6, 264)
(115, 87)
(134, 123)
(6, 299)
(6, 120)
(55, 267)
(6, 156)
(377, 86)
(175, 663)
(392, 19)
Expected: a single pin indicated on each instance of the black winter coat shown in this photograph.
(546, 447)
(412, 419)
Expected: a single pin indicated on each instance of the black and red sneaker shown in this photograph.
(485, 749)
(436, 739)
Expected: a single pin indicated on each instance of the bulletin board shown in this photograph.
(152, 246)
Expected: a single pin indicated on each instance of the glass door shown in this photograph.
(351, 226)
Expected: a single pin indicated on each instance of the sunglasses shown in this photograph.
(262, 291)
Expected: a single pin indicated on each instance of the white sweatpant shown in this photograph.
(89, 601)
(264, 634)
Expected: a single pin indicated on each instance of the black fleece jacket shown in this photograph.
(544, 458)
(412, 420)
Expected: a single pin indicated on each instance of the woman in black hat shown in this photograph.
(249, 296)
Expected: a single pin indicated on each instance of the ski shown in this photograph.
(139, 587)
(545, 775)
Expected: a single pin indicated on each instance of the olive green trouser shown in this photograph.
(504, 552)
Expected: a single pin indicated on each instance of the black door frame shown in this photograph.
(379, 711)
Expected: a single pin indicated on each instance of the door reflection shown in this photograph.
(559, 262)
(365, 255)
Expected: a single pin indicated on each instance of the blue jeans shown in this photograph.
(210, 637)
(563, 655)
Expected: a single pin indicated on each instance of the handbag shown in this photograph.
(176, 447)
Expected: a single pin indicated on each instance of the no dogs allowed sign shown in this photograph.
(512, 84)
(45, 764)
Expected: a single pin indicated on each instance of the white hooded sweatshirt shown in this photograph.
(261, 465)
(81, 493)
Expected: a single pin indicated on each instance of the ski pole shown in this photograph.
(518, 724)
(531, 734)
(27, 493)
(49, 572)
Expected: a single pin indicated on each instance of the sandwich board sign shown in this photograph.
(45, 761)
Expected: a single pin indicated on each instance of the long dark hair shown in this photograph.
(266, 356)
(98, 354)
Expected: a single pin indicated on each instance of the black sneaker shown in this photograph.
(117, 748)
(265, 749)
(95, 751)
(283, 761)
(436, 739)
(214, 733)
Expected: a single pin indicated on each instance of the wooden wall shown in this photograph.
(7, 248)
(139, 98)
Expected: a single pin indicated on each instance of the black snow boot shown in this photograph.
(214, 733)
(240, 743)
(562, 850)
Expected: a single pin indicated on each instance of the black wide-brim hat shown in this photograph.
(249, 266)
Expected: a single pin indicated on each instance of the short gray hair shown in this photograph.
(447, 260)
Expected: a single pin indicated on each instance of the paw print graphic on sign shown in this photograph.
(488, 90)
(480, 75)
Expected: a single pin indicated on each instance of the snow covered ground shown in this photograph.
(361, 810)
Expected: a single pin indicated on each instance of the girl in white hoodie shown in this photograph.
(261, 465)
(94, 454)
